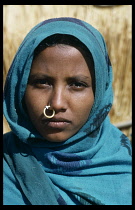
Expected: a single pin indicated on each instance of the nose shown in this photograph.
(58, 100)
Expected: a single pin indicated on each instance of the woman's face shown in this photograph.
(60, 77)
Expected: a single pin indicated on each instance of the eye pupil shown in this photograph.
(77, 84)
(42, 82)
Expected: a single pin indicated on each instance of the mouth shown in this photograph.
(56, 123)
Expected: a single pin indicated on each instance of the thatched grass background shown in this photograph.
(113, 22)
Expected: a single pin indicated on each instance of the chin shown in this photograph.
(55, 137)
(57, 140)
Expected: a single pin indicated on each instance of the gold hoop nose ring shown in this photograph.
(47, 108)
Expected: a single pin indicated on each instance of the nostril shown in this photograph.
(60, 110)
(49, 112)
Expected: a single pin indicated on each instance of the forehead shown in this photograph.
(60, 58)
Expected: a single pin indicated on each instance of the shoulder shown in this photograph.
(8, 135)
(12, 194)
(8, 142)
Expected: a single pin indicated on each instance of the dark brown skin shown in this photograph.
(60, 77)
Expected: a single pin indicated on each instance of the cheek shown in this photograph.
(83, 107)
(34, 103)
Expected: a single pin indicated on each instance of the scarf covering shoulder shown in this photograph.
(29, 174)
(94, 165)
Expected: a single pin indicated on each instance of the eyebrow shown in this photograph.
(45, 76)
(34, 76)
(80, 78)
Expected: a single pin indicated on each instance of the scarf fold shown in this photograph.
(94, 165)
(29, 174)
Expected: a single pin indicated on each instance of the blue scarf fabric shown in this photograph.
(93, 167)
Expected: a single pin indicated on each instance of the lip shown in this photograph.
(56, 123)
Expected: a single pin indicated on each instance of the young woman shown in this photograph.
(62, 148)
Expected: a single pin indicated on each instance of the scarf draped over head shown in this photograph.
(93, 165)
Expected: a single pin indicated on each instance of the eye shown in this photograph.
(78, 85)
(40, 83)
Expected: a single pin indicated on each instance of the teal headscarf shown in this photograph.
(93, 167)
